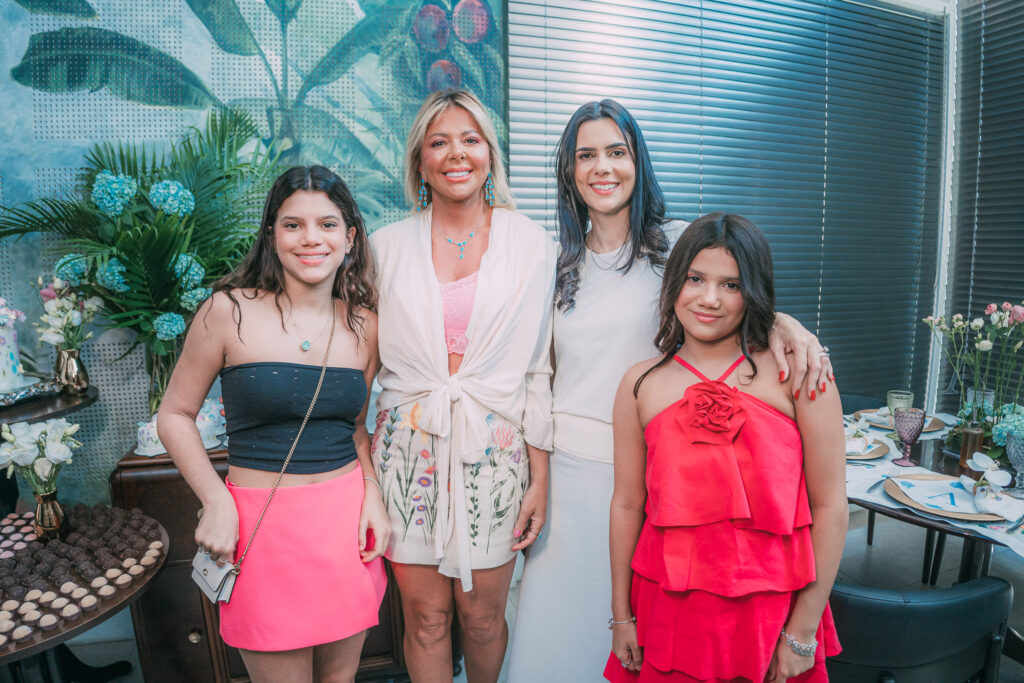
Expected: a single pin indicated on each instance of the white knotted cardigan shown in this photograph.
(506, 368)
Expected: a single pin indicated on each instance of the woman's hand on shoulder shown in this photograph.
(217, 532)
(811, 366)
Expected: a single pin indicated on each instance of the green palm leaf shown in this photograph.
(226, 25)
(63, 8)
(87, 58)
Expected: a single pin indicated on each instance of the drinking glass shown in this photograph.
(1015, 452)
(898, 398)
(909, 423)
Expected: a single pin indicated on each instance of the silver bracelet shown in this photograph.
(802, 649)
(379, 488)
(612, 622)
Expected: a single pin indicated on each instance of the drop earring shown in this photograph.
(422, 203)
(489, 190)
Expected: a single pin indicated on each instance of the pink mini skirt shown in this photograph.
(302, 583)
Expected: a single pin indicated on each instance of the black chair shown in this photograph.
(940, 636)
(934, 541)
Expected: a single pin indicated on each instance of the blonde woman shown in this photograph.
(464, 423)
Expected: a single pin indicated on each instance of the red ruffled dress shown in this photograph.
(726, 543)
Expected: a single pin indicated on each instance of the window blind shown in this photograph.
(819, 120)
(988, 244)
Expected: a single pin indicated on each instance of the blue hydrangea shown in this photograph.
(111, 193)
(1011, 409)
(111, 276)
(168, 326)
(189, 271)
(71, 268)
(1013, 424)
(172, 197)
(987, 409)
(193, 297)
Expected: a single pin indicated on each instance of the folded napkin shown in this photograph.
(997, 503)
(859, 446)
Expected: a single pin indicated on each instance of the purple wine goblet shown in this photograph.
(909, 422)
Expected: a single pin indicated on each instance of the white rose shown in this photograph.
(6, 452)
(52, 337)
(56, 451)
(23, 457)
(977, 324)
(52, 306)
(76, 318)
(984, 345)
(43, 467)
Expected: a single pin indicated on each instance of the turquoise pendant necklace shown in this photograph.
(307, 344)
(461, 245)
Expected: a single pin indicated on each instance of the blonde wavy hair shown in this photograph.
(434, 106)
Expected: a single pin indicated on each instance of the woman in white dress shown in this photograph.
(464, 423)
(614, 239)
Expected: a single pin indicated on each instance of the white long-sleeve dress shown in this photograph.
(561, 631)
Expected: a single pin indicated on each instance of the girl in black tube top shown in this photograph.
(312, 581)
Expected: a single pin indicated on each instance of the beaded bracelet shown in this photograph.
(802, 649)
(612, 622)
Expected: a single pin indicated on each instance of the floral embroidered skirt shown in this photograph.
(403, 456)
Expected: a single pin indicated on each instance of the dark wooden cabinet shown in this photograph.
(175, 626)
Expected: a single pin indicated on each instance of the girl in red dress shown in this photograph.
(729, 512)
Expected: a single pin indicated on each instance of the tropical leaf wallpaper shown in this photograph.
(335, 82)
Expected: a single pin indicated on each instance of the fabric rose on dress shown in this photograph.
(710, 413)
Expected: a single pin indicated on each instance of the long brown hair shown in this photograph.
(261, 268)
(748, 246)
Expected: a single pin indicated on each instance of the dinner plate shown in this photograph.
(894, 491)
(934, 425)
(878, 451)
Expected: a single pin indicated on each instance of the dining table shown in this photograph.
(866, 487)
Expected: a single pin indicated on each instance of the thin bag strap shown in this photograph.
(320, 383)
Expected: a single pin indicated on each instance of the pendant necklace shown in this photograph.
(461, 245)
(307, 344)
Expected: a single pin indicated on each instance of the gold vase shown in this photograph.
(70, 371)
(970, 442)
(49, 521)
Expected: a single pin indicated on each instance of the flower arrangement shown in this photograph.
(8, 315)
(66, 314)
(148, 233)
(984, 354)
(37, 451)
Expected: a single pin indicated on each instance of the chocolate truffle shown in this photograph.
(21, 634)
(16, 536)
(67, 587)
(79, 593)
(156, 545)
(10, 605)
(17, 592)
(123, 581)
(34, 595)
(59, 603)
(5, 554)
(6, 626)
(31, 537)
(70, 612)
(89, 603)
(5, 615)
(98, 581)
(129, 562)
(147, 561)
(46, 598)
(31, 618)
(48, 622)
(8, 529)
(26, 607)
(106, 592)
(152, 552)
(113, 573)
(136, 570)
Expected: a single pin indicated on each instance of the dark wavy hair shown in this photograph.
(646, 207)
(748, 246)
(261, 268)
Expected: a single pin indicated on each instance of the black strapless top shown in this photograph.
(264, 404)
